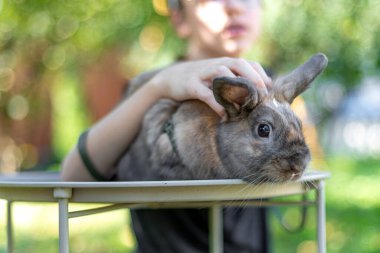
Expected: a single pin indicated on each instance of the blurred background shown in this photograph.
(64, 64)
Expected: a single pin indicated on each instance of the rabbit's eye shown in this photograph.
(263, 130)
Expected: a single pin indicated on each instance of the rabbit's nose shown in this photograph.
(294, 170)
(296, 167)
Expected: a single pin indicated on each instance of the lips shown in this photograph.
(235, 30)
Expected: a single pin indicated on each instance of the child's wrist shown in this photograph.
(154, 90)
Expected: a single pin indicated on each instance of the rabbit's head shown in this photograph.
(262, 139)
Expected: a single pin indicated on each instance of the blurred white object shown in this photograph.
(355, 128)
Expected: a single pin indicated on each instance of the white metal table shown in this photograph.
(213, 194)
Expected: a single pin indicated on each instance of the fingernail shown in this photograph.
(265, 90)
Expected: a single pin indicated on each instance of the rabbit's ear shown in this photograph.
(288, 87)
(237, 95)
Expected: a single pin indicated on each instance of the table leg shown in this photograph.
(321, 217)
(9, 227)
(63, 196)
(216, 229)
(63, 226)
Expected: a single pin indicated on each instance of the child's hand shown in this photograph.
(193, 79)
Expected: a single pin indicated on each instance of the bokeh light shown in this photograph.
(362, 137)
(151, 37)
(7, 77)
(30, 155)
(331, 95)
(39, 23)
(10, 155)
(54, 57)
(161, 7)
(307, 247)
(66, 27)
(18, 107)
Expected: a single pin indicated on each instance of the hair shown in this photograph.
(175, 5)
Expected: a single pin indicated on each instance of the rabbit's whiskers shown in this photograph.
(252, 185)
(256, 183)
(311, 184)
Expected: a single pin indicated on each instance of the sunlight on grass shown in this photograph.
(354, 183)
(36, 229)
(353, 207)
(3, 239)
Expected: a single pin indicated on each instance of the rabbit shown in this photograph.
(261, 141)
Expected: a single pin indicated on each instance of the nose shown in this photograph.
(293, 167)
(234, 6)
(296, 166)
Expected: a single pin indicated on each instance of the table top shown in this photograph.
(40, 186)
(52, 179)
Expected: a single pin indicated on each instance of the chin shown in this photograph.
(233, 52)
(236, 48)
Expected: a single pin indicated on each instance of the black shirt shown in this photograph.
(186, 230)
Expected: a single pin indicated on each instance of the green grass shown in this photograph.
(353, 223)
(352, 209)
(36, 230)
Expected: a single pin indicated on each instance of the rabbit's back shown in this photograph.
(188, 152)
(138, 162)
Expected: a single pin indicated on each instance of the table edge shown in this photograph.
(13, 182)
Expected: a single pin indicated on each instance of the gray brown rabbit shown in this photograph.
(262, 139)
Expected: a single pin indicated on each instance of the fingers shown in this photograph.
(242, 68)
(214, 71)
(193, 80)
(260, 70)
(205, 94)
(230, 67)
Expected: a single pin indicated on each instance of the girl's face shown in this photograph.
(216, 28)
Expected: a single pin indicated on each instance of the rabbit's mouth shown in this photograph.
(292, 172)
(278, 173)
(273, 177)
(285, 176)
(294, 176)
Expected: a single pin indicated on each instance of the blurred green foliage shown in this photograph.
(347, 31)
(45, 47)
(55, 40)
(73, 32)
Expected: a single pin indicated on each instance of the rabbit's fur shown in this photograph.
(262, 139)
